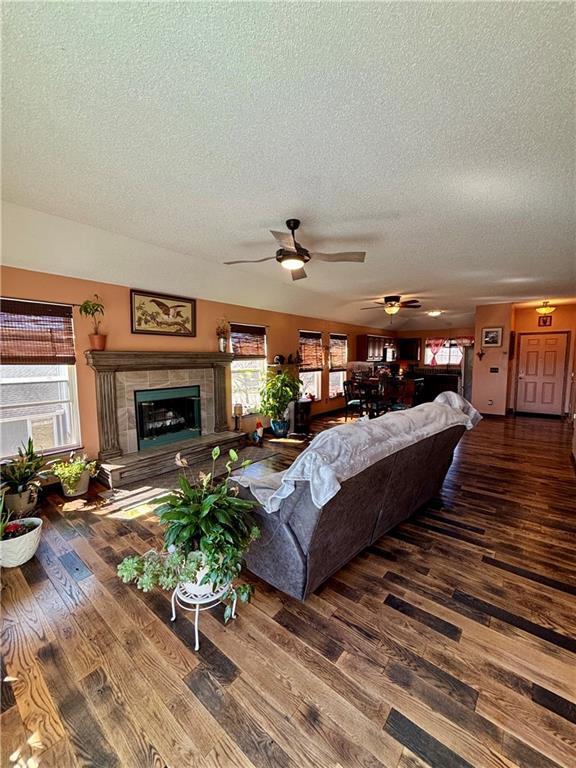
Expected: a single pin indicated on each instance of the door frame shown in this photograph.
(566, 364)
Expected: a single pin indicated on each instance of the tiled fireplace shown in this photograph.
(182, 395)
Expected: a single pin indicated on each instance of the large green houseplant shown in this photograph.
(21, 479)
(275, 397)
(207, 531)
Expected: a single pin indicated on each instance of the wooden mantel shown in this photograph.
(154, 361)
(106, 364)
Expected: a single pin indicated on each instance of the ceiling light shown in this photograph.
(545, 309)
(434, 313)
(292, 261)
(392, 309)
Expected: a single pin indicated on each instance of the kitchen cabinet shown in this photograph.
(372, 349)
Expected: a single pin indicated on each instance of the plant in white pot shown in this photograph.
(207, 531)
(19, 539)
(74, 474)
(21, 479)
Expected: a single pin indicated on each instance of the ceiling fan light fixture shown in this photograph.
(546, 308)
(392, 309)
(434, 313)
(292, 262)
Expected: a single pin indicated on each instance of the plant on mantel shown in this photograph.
(94, 309)
(207, 531)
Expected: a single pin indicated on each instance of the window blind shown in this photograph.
(248, 340)
(310, 349)
(34, 333)
(338, 351)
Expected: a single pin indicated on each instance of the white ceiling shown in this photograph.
(439, 137)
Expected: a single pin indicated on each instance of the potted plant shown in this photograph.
(223, 332)
(92, 309)
(20, 479)
(275, 397)
(74, 474)
(18, 539)
(207, 531)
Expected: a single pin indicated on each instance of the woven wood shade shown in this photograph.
(33, 333)
(311, 351)
(338, 351)
(248, 340)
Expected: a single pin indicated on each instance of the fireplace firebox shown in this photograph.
(167, 415)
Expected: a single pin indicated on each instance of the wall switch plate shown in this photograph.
(494, 370)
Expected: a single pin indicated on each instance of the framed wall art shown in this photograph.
(492, 337)
(545, 321)
(159, 313)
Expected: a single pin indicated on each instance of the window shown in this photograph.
(338, 360)
(249, 367)
(311, 363)
(442, 352)
(37, 378)
(311, 383)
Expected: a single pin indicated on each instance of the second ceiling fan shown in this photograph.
(293, 256)
(393, 304)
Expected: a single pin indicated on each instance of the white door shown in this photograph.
(541, 370)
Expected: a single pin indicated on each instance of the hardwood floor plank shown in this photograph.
(421, 743)
(555, 703)
(570, 589)
(256, 744)
(438, 625)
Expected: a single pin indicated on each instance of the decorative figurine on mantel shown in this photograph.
(223, 333)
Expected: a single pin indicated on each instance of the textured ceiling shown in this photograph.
(439, 137)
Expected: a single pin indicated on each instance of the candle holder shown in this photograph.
(238, 410)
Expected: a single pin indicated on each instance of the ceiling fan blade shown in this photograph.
(250, 261)
(284, 239)
(298, 274)
(409, 301)
(356, 256)
(410, 305)
(363, 309)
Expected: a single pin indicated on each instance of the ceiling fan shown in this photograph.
(393, 304)
(293, 256)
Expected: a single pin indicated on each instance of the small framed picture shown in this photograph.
(159, 313)
(492, 337)
(545, 321)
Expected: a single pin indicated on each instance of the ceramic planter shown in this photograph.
(21, 503)
(14, 552)
(97, 341)
(279, 427)
(81, 486)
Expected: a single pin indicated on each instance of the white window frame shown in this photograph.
(340, 392)
(452, 348)
(317, 376)
(72, 401)
(263, 362)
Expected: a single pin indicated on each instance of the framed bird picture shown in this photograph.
(162, 314)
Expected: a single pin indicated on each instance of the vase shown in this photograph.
(21, 503)
(222, 343)
(15, 552)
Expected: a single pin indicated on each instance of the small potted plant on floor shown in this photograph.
(207, 531)
(74, 474)
(20, 480)
(92, 309)
(275, 397)
(19, 539)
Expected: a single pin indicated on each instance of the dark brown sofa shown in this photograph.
(301, 545)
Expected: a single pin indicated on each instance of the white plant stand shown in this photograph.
(198, 597)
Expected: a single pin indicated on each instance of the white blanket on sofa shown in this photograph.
(339, 453)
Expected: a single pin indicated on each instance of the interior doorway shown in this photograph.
(541, 377)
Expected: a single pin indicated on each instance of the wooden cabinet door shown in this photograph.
(541, 371)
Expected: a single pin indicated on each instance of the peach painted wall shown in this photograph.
(563, 319)
(490, 390)
(282, 332)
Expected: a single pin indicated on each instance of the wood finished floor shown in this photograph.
(450, 643)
